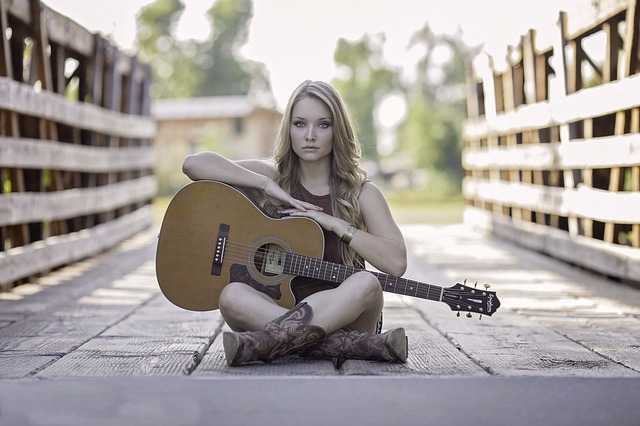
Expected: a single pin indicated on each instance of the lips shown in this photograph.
(310, 147)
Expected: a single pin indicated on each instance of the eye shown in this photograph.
(298, 123)
(325, 124)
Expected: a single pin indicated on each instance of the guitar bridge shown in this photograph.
(221, 244)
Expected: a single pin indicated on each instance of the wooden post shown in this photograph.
(616, 179)
(635, 176)
(112, 100)
(17, 234)
(47, 129)
(562, 86)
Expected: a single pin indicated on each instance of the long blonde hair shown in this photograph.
(345, 176)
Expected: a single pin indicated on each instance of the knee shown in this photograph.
(230, 298)
(369, 286)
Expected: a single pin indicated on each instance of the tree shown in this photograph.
(431, 132)
(225, 73)
(200, 68)
(174, 71)
(368, 81)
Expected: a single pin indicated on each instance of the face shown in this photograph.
(311, 129)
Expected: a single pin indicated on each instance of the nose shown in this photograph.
(310, 134)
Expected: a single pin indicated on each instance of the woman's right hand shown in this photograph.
(272, 189)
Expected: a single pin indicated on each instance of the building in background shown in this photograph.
(234, 126)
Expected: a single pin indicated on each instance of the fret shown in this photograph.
(334, 272)
(313, 267)
(316, 273)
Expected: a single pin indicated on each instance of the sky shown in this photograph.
(296, 39)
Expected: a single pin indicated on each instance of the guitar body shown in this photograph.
(208, 220)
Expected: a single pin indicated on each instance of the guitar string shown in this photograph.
(423, 290)
(242, 252)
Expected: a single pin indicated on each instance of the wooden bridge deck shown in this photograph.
(106, 317)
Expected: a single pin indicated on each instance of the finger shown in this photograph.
(310, 206)
(298, 205)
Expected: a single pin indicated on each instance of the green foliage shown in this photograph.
(192, 68)
(174, 72)
(432, 129)
(368, 80)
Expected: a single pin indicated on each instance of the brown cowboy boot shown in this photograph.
(391, 346)
(285, 334)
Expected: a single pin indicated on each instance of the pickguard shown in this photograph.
(239, 273)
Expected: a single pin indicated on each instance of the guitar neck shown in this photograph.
(312, 267)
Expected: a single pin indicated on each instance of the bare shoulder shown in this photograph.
(263, 166)
(376, 213)
(371, 195)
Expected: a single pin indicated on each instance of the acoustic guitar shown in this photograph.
(213, 234)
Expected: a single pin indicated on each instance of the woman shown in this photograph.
(316, 175)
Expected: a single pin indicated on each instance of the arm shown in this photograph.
(248, 173)
(382, 245)
(213, 166)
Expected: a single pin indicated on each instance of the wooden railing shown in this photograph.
(552, 146)
(76, 158)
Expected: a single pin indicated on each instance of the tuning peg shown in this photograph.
(486, 286)
(480, 319)
(468, 314)
(458, 314)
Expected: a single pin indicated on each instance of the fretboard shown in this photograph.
(312, 267)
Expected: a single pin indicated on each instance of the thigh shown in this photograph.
(247, 309)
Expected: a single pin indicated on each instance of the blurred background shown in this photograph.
(224, 69)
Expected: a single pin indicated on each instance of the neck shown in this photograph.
(315, 173)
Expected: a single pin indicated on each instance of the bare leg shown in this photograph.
(246, 309)
(355, 304)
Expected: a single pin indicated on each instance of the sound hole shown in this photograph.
(269, 259)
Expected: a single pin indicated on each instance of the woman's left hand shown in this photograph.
(328, 222)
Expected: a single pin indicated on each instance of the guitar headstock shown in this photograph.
(463, 298)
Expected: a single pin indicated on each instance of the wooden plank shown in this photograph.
(24, 261)
(587, 177)
(562, 91)
(35, 153)
(22, 98)
(530, 69)
(632, 34)
(586, 202)
(47, 129)
(635, 175)
(615, 338)
(591, 102)
(128, 356)
(612, 260)
(602, 152)
(31, 207)
(610, 66)
(510, 345)
(164, 325)
(18, 235)
(17, 366)
(430, 353)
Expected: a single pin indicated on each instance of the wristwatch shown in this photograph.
(348, 235)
